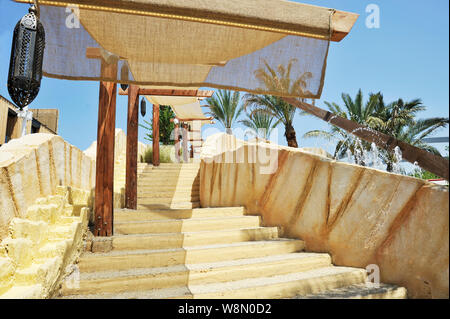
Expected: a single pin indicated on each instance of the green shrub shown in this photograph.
(165, 154)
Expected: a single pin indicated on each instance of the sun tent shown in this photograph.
(233, 44)
(171, 100)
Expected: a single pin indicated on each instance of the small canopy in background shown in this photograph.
(186, 108)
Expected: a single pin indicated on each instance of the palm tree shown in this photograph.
(225, 107)
(280, 81)
(413, 133)
(274, 106)
(397, 119)
(261, 124)
(357, 111)
(396, 114)
(166, 127)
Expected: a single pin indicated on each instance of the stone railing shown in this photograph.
(33, 166)
(43, 245)
(46, 200)
(361, 216)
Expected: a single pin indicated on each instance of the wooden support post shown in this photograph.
(185, 143)
(155, 135)
(132, 148)
(104, 181)
(177, 142)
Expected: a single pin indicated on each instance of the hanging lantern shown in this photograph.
(143, 107)
(124, 76)
(27, 53)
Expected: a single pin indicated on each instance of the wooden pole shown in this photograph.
(104, 181)
(426, 160)
(155, 135)
(185, 142)
(132, 148)
(177, 142)
(170, 92)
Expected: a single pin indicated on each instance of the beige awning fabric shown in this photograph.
(259, 46)
(186, 109)
(172, 100)
(189, 111)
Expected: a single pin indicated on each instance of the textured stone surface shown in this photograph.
(41, 245)
(33, 166)
(361, 216)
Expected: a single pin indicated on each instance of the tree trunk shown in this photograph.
(291, 136)
(389, 167)
(426, 160)
(229, 130)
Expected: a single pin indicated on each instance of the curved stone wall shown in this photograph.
(361, 216)
(33, 166)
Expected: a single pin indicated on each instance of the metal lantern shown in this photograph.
(143, 107)
(27, 53)
(124, 76)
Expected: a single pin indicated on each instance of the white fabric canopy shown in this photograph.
(172, 100)
(258, 46)
(189, 111)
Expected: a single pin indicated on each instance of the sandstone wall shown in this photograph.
(42, 246)
(361, 216)
(32, 167)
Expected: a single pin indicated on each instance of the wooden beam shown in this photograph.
(170, 92)
(104, 181)
(185, 142)
(177, 142)
(132, 149)
(156, 135)
(342, 23)
(426, 160)
(95, 53)
(195, 119)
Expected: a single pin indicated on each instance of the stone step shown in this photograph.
(180, 275)
(189, 239)
(186, 225)
(121, 260)
(282, 286)
(121, 215)
(182, 182)
(168, 177)
(169, 195)
(178, 205)
(165, 293)
(167, 200)
(165, 166)
(169, 172)
(170, 190)
(361, 291)
(304, 283)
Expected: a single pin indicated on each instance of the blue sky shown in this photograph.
(407, 57)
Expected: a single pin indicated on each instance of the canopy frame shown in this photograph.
(341, 21)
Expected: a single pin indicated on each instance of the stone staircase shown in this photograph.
(170, 248)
